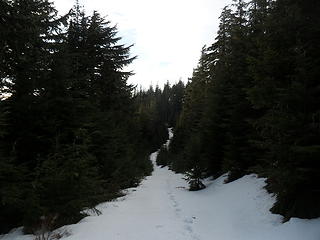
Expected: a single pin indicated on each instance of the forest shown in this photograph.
(74, 133)
(252, 104)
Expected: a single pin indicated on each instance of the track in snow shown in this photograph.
(162, 209)
(149, 212)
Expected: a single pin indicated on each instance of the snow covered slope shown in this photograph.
(162, 209)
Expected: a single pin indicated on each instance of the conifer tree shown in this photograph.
(260, 112)
(286, 94)
(69, 115)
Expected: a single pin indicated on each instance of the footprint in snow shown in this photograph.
(188, 228)
(188, 220)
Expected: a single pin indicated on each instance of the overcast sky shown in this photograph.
(167, 34)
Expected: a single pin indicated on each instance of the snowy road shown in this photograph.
(162, 209)
(150, 212)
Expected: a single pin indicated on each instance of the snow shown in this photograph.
(162, 208)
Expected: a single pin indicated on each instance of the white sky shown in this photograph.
(167, 34)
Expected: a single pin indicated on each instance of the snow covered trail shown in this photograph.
(150, 212)
(161, 208)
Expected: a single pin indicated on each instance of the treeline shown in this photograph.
(72, 131)
(252, 105)
(158, 109)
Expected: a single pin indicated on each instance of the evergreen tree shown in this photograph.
(68, 115)
(255, 108)
(285, 91)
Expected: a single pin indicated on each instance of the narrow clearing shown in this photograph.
(161, 208)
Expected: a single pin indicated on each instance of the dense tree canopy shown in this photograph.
(252, 104)
(73, 132)
(69, 138)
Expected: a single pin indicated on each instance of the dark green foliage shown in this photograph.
(163, 157)
(289, 131)
(70, 133)
(253, 103)
(194, 177)
(13, 190)
(73, 133)
(69, 181)
(157, 110)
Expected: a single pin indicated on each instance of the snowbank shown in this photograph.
(162, 209)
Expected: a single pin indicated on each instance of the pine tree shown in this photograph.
(69, 118)
(284, 91)
(238, 156)
(27, 46)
